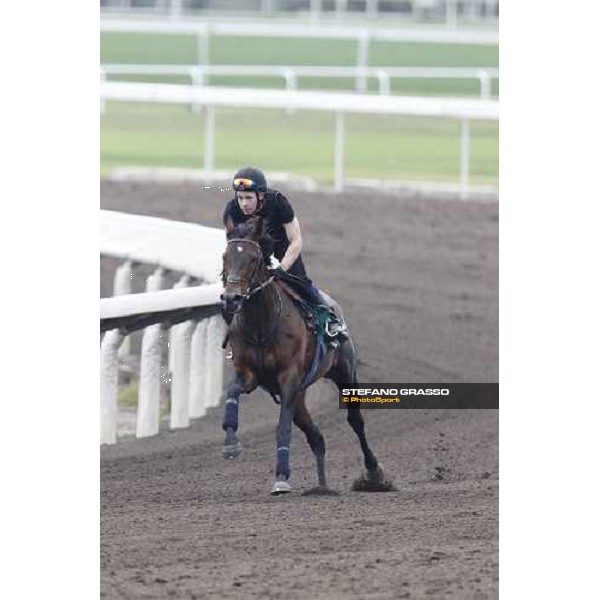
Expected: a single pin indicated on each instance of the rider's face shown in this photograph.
(248, 202)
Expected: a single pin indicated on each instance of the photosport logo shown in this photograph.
(424, 395)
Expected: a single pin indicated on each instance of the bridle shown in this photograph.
(250, 291)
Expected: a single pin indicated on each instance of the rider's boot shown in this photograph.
(335, 328)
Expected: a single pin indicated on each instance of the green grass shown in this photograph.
(128, 395)
(417, 149)
(224, 50)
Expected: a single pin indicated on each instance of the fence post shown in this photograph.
(371, 8)
(175, 9)
(198, 373)
(203, 46)
(183, 282)
(339, 152)
(362, 61)
(485, 84)
(315, 10)
(122, 286)
(451, 14)
(291, 84)
(214, 364)
(179, 366)
(384, 82)
(209, 140)
(464, 158)
(102, 100)
(198, 78)
(109, 386)
(341, 6)
(148, 416)
(180, 384)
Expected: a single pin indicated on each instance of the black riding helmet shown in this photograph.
(249, 179)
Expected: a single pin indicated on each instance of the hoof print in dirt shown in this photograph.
(440, 473)
(320, 491)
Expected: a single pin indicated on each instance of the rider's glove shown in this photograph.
(278, 272)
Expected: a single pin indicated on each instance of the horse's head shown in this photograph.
(243, 263)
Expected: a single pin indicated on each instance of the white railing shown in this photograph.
(361, 35)
(446, 10)
(480, 37)
(461, 109)
(195, 358)
(186, 247)
(290, 74)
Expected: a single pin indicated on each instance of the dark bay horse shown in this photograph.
(273, 348)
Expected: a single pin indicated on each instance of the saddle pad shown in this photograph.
(316, 316)
(316, 363)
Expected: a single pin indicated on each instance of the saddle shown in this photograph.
(316, 316)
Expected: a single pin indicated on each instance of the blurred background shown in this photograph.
(414, 48)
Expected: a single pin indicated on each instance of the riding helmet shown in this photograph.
(249, 178)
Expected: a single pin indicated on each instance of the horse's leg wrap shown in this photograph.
(230, 419)
(284, 436)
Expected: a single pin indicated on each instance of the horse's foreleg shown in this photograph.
(284, 437)
(232, 447)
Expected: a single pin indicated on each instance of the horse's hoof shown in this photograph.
(373, 481)
(281, 487)
(231, 451)
(320, 490)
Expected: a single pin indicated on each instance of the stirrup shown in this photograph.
(336, 329)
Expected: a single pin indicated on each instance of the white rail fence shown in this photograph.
(195, 357)
(446, 10)
(290, 74)
(462, 109)
(204, 31)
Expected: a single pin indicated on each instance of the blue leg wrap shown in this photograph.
(283, 461)
(231, 414)
(230, 419)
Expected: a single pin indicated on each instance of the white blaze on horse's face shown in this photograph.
(240, 248)
(248, 201)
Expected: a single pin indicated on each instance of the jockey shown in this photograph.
(253, 197)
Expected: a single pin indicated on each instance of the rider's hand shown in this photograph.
(278, 271)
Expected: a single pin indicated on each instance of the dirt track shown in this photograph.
(418, 282)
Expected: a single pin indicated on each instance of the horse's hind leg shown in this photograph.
(343, 374)
(303, 421)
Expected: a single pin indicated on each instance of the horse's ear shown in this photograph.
(229, 226)
(254, 228)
